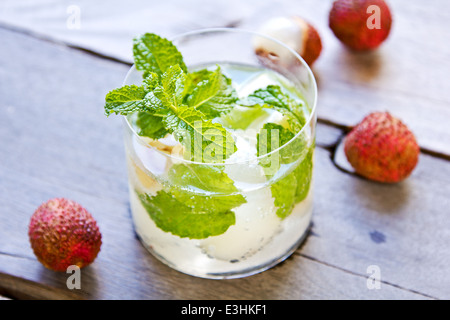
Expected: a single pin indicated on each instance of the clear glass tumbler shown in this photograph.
(271, 194)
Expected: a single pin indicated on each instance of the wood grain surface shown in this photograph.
(56, 142)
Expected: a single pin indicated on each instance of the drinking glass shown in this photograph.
(272, 192)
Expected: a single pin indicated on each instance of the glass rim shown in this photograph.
(257, 158)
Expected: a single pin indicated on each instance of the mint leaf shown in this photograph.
(274, 97)
(131, 98)
(205, 141)
(196, 177)
(209, 204)
(197, 204)
(218, 190)
(272, 137)
(242, 117)
(205, 89)
(174, 216)
(170, 90)
(161, 97)
(150, 126)
(194, 78)
(125, 100)
(283, 192)
(153, 53)
(213, 95)
(294, 187)
(303, 174)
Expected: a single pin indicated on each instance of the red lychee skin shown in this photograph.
(382, 148)
(63, 233)
(312, 45)
(348, 21)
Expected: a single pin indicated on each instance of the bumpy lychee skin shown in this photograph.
(63, 233)
(382, 148)
(348, 20)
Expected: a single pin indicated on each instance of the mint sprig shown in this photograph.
(177, 102)
(154, 54)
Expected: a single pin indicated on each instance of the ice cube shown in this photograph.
(242, 166)
(258, 81)
(256, 224)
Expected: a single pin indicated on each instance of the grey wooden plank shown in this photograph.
(402, 228)
(297, 278)
(327, 136)
(73, 151)
(22, 289)
(426, 118)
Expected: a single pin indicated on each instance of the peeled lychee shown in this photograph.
(63, 233)
(382, 148)
(361, 25)
(296, 33)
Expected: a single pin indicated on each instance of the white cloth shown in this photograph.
(108, 26)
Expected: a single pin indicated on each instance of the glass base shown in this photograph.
(235, 274)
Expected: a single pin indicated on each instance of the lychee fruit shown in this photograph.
(361, 25)
(63, 233)
(382, 148)
(296, 33)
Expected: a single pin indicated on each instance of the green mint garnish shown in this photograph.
(174, 216)
(183, 103)
(242, 117)
(150, 126)
(213, 95)
(273, 97)
(201, 177)
(154, 54)
(294, 187)
(198, 201)
(186, 211)
(303, 174)
(194, 78)
(125, 100)
(172, 100)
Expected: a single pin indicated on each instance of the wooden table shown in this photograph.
(56, 142)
